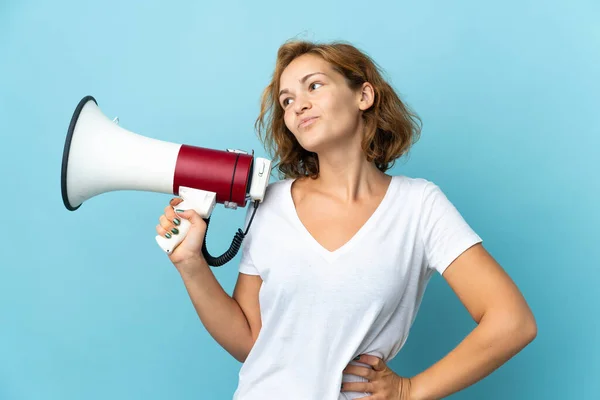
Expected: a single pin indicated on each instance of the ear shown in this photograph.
(367, 96)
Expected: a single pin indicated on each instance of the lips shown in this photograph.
(306, 121)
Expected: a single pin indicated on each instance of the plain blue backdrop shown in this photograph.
(509, 95)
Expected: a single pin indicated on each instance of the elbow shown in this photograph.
(526, 325)
(523, 329)
(243, 353)
(518, 327)
(530, 329)
(241, 356)
(241, 359)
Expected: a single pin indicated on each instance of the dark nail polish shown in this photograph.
(175, 231)
(356, 358)
(168, 235)
(176, 221)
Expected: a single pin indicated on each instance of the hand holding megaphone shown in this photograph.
(181, 233)
(201, 201)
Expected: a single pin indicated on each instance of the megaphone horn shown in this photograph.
(99, 156)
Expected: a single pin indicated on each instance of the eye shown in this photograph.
(313, 84)
(285, 103)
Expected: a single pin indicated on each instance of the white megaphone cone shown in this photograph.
(100, 156)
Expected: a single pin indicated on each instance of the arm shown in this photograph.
(505, 326)
(234, 322)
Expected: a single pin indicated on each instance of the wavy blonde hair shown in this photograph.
(390, 126)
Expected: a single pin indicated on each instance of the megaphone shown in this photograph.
(100, 156)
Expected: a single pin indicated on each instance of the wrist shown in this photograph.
(405, 389)
(190, 267)
(416, 389)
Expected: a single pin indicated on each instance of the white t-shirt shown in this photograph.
(320, 309)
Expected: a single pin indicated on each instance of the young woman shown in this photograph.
(338, 256)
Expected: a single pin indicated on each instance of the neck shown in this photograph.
(347, 175)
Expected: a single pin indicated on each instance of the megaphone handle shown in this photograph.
(169, 244)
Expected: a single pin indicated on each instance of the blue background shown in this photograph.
(509, 93)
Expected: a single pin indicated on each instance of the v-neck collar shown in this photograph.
(328, 255)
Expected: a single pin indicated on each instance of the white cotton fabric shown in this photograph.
(320, 309)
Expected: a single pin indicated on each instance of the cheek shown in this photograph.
(340, 107)
(335, 105)
(287, 119)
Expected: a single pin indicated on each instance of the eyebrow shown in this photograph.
(302, 81)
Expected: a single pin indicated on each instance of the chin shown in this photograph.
(309, 141)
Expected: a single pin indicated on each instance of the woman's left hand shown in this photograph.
(383, 383)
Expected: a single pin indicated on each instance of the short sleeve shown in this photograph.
(246, 263)
(444, 231)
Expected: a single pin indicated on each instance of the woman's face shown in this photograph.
(319, 107)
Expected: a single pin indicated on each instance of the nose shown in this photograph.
(301, 104)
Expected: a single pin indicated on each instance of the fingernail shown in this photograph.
(179, 210)
(175, 231)
(168, 235)
(356, 358)
(176, 221)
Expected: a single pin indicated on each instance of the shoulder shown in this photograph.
(274, 200)
(276, 191)
(418, 194)
(414, 187)
(270, 215)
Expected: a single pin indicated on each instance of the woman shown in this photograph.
(338, 256)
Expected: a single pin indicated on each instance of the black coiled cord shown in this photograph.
(235, 246)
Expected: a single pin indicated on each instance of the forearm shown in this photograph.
(493, 342)
(220, 314)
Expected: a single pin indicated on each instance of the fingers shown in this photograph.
(169, 221)
(191, 216)
(364, 387)
(174, 201)
(170, 212)
(166, 227)
(360, 371)
(375, 362)
(380, 380)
